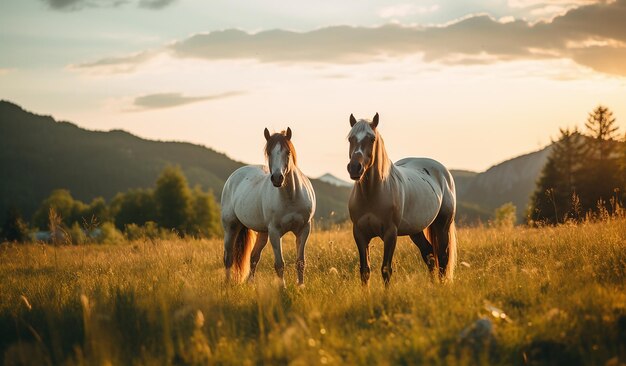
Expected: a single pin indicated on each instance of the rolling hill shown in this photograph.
(39, 154)
(510, 181)
(329, 178)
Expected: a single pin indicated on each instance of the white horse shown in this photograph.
(414, 197)
(257, 202)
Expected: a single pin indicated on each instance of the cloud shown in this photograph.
(169, 100)
(405, 10)
(342, 44)
(73, 5)
(155, 4)
(549, 9)
(63, 4)
(473, 39)
(610, 60)
(543, 3)
(115, 65)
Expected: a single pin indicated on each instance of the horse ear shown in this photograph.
(352, 120)
(375, 121)
(288, 135)
(267, 134)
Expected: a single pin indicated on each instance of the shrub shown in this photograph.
(77, 235)
(149, 231)
(504, 216)
(108, 234)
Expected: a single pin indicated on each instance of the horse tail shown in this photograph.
(452, 252)
(241, 253)
(442, 236)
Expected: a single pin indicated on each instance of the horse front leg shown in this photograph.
(390, 238)
(279, 263)
(301, 240)
(362, 244)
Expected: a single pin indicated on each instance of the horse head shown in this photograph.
(362, 138)
(280, 154)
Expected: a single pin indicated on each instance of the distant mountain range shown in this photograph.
(39, 154)
(331, 179)
(510, 181)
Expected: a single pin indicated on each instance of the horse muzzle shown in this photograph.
(355, 169)
(277, 180)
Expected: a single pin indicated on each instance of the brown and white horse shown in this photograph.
(414, 197)
(258, 202)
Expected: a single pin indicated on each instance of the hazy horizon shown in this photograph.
(470, 84)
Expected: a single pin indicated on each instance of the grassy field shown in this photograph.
(521, 296)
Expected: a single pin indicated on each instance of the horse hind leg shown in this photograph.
(426, 249)
(442, 234)
(231, 232)
(301, 240)
(238, 241)
(261, 242)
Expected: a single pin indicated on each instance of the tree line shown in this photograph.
(585, 174)
(170, 207)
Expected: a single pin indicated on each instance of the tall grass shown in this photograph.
(554, 295)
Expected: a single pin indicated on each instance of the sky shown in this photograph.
(468, 83)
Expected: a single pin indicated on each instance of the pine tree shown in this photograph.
(554, 199)
(601, 169)
(601, 125)
(173, 200)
